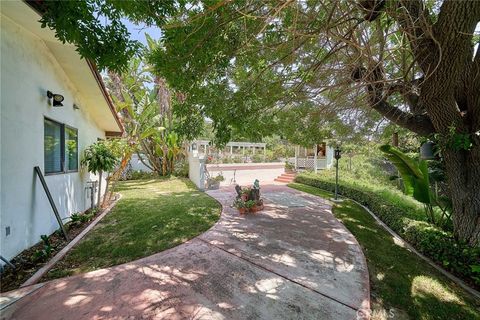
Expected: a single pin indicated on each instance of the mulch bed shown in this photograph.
(28, 261)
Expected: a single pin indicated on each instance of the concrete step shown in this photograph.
(289, 174)
(286, 177)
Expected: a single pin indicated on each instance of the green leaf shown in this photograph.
(148, 133)
(475, 268)
(414, 174)
(422, 185)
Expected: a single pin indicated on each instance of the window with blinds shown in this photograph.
(60, 147)
(52, 146)
(71, 149)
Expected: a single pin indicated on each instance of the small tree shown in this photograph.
(98, 158)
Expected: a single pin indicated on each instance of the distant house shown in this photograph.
(319, 156)
(35, 132)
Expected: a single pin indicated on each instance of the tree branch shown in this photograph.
(409, 91)
(143, 161)
(415, 23)
(420, 124)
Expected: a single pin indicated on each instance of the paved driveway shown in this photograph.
(293, 260)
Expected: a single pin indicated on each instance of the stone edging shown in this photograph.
(447, 274)
(49, 265)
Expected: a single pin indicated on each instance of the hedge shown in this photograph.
(440, 246)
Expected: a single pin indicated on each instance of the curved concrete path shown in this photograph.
(293, 260)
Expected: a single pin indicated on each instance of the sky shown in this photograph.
(137, 32)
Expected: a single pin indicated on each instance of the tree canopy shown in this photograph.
(97, 29)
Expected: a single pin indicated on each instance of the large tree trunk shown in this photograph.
(463, 171)
(446, 99)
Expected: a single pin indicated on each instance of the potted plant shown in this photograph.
(289, 168)
(251, 206)
(240, 205)
(246, 193)
(259, 204)
(214, 183)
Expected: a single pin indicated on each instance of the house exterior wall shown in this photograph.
(28, 70)
(329, 157)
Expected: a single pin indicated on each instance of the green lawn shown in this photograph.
(401, 282)
(153, 215)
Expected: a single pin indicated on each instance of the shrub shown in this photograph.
(181, 169)
(75, 218)
(227, 159)
(257, 158)
(289, 166)
(438, 245)
(138, 175)
(238, 160)
(46, 252)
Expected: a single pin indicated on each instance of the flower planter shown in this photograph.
(213, 185)
(248, 199)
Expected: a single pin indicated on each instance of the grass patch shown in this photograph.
(402, 284)
(153, 215)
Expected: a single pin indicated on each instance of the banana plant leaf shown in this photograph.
(148, 133)
(421, 190)
(414, 174)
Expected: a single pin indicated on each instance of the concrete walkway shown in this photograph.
(293, 260)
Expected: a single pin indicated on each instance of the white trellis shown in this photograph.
(202, 148)
(319, 156)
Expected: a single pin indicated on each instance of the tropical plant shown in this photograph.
(416, 181)
(98, 158)
(145, 103)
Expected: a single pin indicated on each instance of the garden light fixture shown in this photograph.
(337, 155)
(57, 98)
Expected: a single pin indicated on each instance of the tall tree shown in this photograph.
(144, 104)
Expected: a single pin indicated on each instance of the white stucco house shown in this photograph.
(34, 132)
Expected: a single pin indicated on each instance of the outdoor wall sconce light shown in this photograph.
(57, 98)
